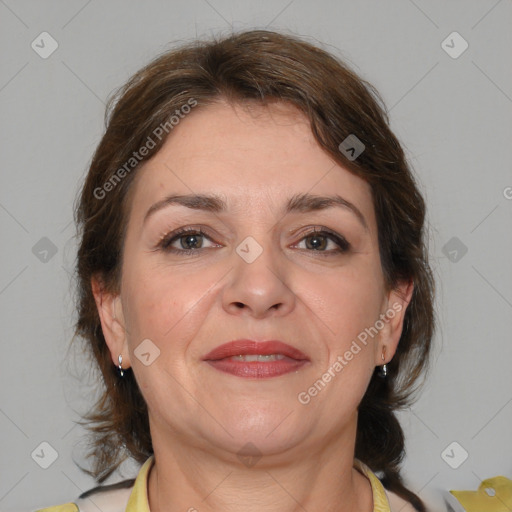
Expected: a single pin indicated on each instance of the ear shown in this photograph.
(110, 310)
(393, 316)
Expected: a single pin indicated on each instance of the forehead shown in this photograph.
(249, 154)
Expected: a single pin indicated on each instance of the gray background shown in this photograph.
(452, 114)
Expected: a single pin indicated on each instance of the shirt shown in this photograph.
(135, 498)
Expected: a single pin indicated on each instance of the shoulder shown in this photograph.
(398, 504)
(384, 500)
(67, 507)
(107, 498)
(120, 497)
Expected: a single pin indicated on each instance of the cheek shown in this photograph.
(343, 305)
(164, 304)
(168, 308)
(346, 301)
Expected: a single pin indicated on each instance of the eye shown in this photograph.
(324, 241)
(186, 241)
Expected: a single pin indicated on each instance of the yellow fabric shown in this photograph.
(67, 507)
(380, 500)
(498, 499)
(138, 501)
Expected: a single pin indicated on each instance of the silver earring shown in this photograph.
(120, 360)
(384, 367)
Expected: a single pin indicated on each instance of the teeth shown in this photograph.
(256, 357)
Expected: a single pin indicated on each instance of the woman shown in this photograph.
(253, 284)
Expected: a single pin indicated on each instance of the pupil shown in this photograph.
(192, 241)
(317, 242)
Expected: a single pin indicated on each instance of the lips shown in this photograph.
(256, 360)
(250, 347)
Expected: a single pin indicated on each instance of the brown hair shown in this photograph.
(263, 66)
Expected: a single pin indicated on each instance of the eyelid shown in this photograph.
(168, 238)
(343, 244)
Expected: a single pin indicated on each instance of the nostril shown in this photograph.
(240, 305)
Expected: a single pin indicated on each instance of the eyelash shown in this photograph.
(340, 241)
(165, 243)
(175, 235)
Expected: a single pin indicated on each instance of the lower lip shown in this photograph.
(257, 370)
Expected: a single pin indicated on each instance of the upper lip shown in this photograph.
(251, 347)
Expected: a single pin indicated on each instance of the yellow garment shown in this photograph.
(138, 500)
(67, 507)
(380, 501)
(498, 500)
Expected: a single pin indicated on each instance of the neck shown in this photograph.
(186, 478)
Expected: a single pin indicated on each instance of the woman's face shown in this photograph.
(254, 187)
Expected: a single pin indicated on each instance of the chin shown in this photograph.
(271, 429)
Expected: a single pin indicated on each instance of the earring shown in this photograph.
(120, 360)
(384, 367)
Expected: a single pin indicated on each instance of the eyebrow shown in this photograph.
(309, 203)
(193, 201)
(301, 203)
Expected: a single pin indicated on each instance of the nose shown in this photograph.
(258, 289)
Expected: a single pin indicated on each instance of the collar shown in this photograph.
(380, 499)
(138, 501)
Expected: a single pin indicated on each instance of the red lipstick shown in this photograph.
(256, 359)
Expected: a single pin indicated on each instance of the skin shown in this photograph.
(255, 158)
